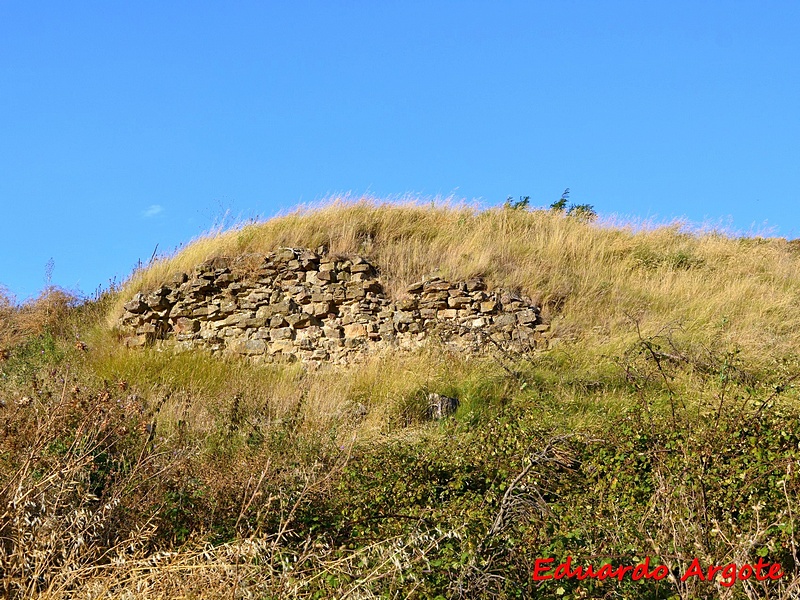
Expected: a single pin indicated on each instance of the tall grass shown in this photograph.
(669, 396)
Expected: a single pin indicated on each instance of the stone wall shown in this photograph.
(298, 304)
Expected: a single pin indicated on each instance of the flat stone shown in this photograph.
(281, 347)
(458, 301)
(200, 286)
(277, 321)
(253, 322)
(137, 305)
(437, 286)
(489, 306)
(322, 309)
(229, 307)
(355, 293)
(282, 333)
(355, 330)
(285, 254)
(506, 320)
(185, 325)
(205, 311)
(300, 320)
(249, 347)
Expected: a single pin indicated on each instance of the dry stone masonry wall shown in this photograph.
(298, 304)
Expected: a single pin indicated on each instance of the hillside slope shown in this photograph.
(663, 424)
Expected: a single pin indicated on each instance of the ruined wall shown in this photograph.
(298, 304)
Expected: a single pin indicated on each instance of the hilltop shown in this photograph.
(596, 277)
(664, 396)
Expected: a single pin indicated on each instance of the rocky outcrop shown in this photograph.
(298, 304)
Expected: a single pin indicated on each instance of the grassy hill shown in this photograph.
(663, 424)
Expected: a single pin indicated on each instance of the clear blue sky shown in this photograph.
(129, 124)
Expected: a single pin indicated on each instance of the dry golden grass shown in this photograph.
(32, 318)
(596, 279)
(204, 394)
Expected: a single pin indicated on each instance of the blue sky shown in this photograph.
(126, 126)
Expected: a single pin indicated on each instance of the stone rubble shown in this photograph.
(297, 304)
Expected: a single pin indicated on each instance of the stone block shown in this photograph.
(205, 311)
(254, 322)
(355, 293)
(249, 347)
(406, 304)
(332, 332)
(458, 301)
(527, 316)
(355, 330)
(178, 279)
(285, 255)
(281, 347)
(228, 307)
(488, 307)
(186, 325)
(277, 321)
(158, 300)
(437, 285)
(479, 322)
(282, 333)
(322, 309)
(362, 268)
(447, 313)
(506, 321)
(200, 286)
(137, 305)
(300, 320)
